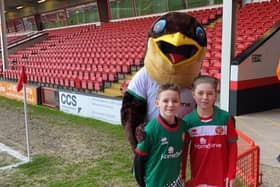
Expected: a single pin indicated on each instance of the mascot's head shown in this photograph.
(176, 46)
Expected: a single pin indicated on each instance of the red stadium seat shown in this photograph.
(85, 56)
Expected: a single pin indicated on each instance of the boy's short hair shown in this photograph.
(168, 86)
(205, 79)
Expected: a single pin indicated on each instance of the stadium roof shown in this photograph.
(12, 5)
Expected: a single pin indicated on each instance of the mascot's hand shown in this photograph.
(140, 133)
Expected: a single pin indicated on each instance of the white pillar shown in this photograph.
(228, 42)
(4, 51)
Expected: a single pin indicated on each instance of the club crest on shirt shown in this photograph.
(219, 130)
(202, 140)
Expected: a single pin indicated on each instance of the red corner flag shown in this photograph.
(22, 80)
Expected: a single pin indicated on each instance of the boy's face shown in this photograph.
(168, 103)
(204, 95)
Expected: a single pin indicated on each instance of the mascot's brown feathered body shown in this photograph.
(175, 49)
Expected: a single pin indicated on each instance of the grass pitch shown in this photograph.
(66, 150)
(78, 152)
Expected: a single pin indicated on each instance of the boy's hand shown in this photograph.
(229, 183)
(140, 133)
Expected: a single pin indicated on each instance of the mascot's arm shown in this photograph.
(133, 113)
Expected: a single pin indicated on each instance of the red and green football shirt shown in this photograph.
(213, 151)
(164, 147)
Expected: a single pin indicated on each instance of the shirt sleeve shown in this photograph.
(232, 147)
(137, 85)
(144, 146)
(232, 134)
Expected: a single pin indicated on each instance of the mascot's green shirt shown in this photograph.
(163, 145)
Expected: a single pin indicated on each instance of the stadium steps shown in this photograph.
(112, 92)
(115, 89)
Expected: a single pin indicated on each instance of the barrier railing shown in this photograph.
(248, 164)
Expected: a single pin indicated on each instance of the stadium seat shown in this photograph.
(85, 56)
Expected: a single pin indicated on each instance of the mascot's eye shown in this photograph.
(200, 35)
(159, 26)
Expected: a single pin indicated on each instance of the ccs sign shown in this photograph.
(68, 99)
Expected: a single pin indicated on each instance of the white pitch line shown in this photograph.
(13, 152)
(13, 165)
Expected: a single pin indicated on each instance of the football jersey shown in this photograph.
(164, 147)
(210, 139)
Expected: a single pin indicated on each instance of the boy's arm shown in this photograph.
(139, 167)
(232, 161)
(232, 146)
(185, 156)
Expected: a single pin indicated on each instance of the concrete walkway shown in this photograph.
(264, 129)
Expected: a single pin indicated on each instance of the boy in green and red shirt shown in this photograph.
(158, 158)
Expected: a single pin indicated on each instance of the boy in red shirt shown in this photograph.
(213, 147)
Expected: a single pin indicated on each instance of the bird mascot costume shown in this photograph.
(175, 49)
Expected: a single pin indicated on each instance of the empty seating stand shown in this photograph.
(253, 20)
(88, 57)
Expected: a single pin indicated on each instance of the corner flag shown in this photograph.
(22, 80)
(21, 84)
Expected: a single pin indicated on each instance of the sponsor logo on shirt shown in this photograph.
(171, 154)
(204, 145)
(203, 140)
(170, 150)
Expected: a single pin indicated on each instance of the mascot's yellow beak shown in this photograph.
(177, 48)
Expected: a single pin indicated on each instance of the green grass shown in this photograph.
(111, 168)
(44, 170)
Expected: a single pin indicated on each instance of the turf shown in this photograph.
(110, 167)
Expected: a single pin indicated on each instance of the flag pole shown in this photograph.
(26, 122)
